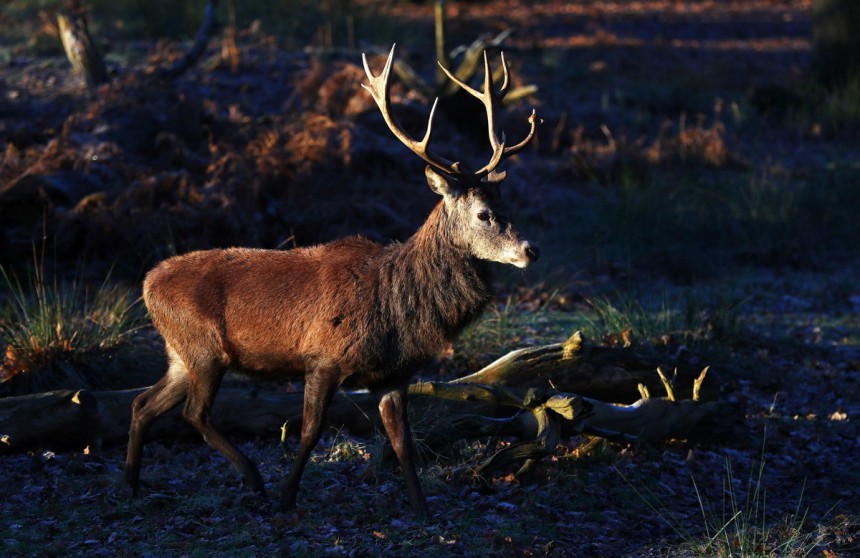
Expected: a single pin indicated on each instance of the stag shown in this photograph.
(350, 312)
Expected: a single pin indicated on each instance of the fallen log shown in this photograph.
(52, 419)
(602, 373)
(541, 416)
(69, 419)
(552, 415)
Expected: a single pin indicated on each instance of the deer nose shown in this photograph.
(531, 250)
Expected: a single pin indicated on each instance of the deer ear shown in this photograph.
(496, 176)
(440, 183)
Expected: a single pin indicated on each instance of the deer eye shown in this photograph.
(484, 215)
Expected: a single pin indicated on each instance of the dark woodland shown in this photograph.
(675, 372)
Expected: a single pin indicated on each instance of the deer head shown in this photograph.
(480, 220)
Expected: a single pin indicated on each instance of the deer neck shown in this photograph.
(436, 283)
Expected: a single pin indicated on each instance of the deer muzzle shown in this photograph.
(526, 254)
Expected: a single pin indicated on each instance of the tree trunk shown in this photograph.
(835, 41)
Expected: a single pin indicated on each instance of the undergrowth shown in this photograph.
(297, 24)
(688, 318)
(739, 524)
(688, 224)
(695, 319)
(47, 325)
(820, 111)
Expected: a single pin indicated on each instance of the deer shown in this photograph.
(351, 312)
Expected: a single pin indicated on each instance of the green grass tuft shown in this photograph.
(690, 318)
(47, 326)
(740, 525)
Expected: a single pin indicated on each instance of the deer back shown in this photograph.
(263, 310)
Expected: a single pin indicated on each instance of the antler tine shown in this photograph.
(473, 92)
(534, 120)
(381, 93)
(504, 90)
(491, 100)
(488, 98)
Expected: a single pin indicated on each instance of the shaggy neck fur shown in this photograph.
(432, 287)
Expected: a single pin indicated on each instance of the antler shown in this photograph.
(491, 100)
(379, 88)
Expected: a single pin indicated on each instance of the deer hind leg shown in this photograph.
(168, 392)
(204, 384)
(392, 409)
(320, 386)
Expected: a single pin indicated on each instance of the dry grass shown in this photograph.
(53, 332)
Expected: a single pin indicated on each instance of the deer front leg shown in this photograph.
(392, 409)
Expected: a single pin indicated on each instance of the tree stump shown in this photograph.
(81, 50)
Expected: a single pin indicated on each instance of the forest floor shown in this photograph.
(691, 187)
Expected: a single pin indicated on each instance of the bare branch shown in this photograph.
(198, 48)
